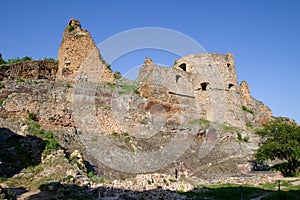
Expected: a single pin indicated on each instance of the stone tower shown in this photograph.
(204, 85)
(78, 48)
(215, 85)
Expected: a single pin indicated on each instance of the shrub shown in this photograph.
(246, 139)
(104, 62)
(2, 100)
(239, 136)
(247, 110)
(117, 75)
(26, 58)
(50, 59)
(71, 28)
(32, 116)
(2, 61)
(94, 178)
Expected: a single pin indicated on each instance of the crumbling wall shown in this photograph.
(32, 69)
(78, 48)
(206, 84)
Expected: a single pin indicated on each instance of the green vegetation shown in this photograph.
(280, 140)
(32, 116)
(68, 85)
(71, 28)
(50, 59)
(20, 80)
(245, 192)
(104, 62)
(204, 124)
(17, 59)
(117, 75)
(247, 110)
(2, 85)
(95, 178)
(2, 61)
(125, 138)
(249, 125)
(51, 143)
(128, 89)
(2, 100)
(240, 137)
(246, 139)
(112, 85)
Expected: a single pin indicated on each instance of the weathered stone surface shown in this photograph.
(205, 82)
(32, 69)
(261, 114)
(76, 49)
(148, 61)
(138, 117)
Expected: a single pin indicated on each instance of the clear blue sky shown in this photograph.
(263, 35)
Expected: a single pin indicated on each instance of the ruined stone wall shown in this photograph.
(255, 112)
(215, 85)
(75, 49)
(33, 69)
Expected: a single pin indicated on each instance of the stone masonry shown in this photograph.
(78, 47)
(205, 85)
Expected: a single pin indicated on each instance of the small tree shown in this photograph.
(280, 139)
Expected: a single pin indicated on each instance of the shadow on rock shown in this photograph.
(57, 191)
(18, 152)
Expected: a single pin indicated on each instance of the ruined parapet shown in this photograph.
(75, 49)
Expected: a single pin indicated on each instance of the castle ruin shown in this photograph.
(76, 48)
(204, 85)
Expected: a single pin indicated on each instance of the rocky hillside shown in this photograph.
(62, 123)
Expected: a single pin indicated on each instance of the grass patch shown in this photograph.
(112, 85)
(205, 124)
(95, 178)
(128, 89)
(35, 129)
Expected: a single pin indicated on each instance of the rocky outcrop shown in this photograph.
(154, 121)
(76, 49)
(32, 69)
(255, 111)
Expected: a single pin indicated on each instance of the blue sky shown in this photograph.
(263, 35)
